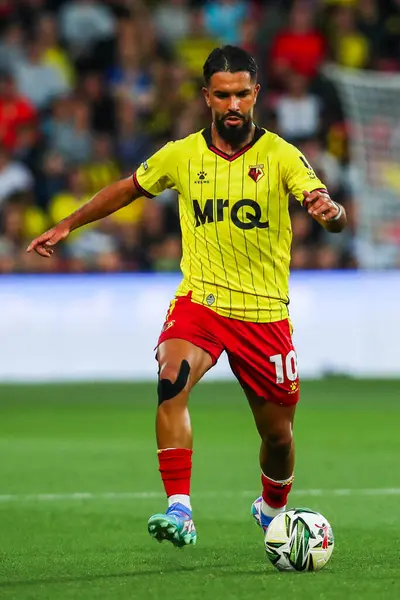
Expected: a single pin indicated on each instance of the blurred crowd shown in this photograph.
(89, 89)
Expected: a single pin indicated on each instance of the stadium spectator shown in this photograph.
(29, 149)
(53, 54)
(223, 19)
(69, 131)
(172, 20)
(302, 256)
(38, 81)
(14, 176)
(371, 25)
(248, 34)
(19, 219)
(153, 228)
(129, 78)
(297, 110)
(85, 22)
(15, 111)
(133, 142)
(52, 177)
(350, 47)
(192, 49)
(12, 49)
(102, 169)
(12, 238)
(94, 91)
(327, 258)
(300, 48)
(69, 199)
(167, 256)
(90, 89)
(94, 251)
(302, 226)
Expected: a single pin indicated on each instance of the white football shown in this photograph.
(299, 540)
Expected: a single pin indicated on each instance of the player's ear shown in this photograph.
(256, 90)
(206, 94)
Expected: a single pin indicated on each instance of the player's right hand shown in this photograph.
(43, 244)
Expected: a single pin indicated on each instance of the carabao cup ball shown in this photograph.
(299, 540)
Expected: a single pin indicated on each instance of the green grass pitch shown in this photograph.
(66, 439)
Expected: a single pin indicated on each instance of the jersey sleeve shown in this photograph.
(298, 174)
(154, 174)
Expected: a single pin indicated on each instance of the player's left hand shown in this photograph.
(320, 205)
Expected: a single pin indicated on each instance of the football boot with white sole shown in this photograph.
(175, 526)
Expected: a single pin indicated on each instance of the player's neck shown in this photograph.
(221, 144)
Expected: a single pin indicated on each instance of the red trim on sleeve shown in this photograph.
(139, 187)
(322, 190)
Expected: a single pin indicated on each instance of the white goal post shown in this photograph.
(371, 103)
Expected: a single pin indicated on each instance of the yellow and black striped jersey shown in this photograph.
(234, 215)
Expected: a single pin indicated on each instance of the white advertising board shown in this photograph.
(89, 327)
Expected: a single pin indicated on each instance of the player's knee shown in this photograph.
(173, 377)
(280, 439)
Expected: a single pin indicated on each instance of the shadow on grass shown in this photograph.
(225, 571)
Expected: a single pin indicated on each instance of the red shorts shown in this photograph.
(261, 355)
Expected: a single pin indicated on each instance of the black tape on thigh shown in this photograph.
(167, 390)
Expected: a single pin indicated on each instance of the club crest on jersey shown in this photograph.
(256, 172)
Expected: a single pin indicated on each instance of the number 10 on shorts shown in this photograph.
(286, 364)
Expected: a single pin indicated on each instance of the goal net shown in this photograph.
(371, 102)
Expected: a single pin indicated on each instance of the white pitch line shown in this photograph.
(4, 498)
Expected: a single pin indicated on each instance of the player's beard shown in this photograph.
(235, 135)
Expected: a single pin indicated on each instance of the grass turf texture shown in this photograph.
(99, 439)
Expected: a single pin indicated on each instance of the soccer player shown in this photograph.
(233, 179)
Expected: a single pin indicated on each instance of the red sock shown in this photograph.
(275, 493)
(175, 466)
